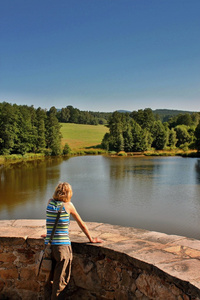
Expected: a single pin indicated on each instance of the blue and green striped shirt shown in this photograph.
(61, 236)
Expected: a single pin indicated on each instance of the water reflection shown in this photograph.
(197, 168)
(124, 167)
(26, 182)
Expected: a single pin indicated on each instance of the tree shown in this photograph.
(172, 140)
(184, 119)
(41, 117)
(183, 135)
(147, 140)
(66, 149)
(74, 114)
(145, 118)
(141, 138)
(115, 124)
(27, 132)
(63, 115)
(137, 137)
(197, 135)
(159, 134)
(8, 127)
(53, 135)
(128, 139)
(105, 144)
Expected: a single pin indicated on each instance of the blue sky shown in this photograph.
(101, 55)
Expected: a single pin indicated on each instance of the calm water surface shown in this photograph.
(161, 194)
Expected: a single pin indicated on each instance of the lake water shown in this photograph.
(161, 194)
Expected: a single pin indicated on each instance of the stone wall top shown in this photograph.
(176, 256)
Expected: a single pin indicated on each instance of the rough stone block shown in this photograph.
(2, 284)
(7, 257)
(9, 273)
(28, 285)
(153, 287)
(11, 241)
(27, 273)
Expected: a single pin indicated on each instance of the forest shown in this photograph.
(143, 130)
(25, 129)
(69, 114)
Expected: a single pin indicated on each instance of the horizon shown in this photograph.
(101, 55)
(119, 110)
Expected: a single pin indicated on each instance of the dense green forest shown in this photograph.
(143, 130)
(69, 114)
(24, 129)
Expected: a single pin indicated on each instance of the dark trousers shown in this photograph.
(61, 271)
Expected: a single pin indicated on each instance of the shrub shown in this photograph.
(112, 152)
(184, 147)
(47, 152)
(122, 153)
(66, 149)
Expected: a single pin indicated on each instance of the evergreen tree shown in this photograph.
(63, 115)
(116, 131)
(159, 134)
(128, 139)
(137, 134)
(26, 135)
(141, 138)
(53, 135)
(105, 144)
(41, 117)
(8, 127)
(74, 114)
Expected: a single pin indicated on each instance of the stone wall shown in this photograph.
(129, 264)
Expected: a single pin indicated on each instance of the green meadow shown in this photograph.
(80, 136)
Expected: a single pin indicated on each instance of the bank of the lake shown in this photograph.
(17, 158)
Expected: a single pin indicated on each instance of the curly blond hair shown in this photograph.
(63, 192)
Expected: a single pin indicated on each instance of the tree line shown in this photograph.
(143, 130)
(69, 114)
(25, 129)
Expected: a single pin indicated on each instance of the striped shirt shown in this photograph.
(61, 236)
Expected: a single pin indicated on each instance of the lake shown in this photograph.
(157, 193)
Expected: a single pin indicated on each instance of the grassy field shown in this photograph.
(80, 136)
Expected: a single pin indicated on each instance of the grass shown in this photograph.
(79, 136)
(82, 139)
(15, 158)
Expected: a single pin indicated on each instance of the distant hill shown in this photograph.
(124, 111)
(164, 114)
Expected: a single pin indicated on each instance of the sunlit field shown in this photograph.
(79, 136)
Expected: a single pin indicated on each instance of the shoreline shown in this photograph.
(17, 158)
